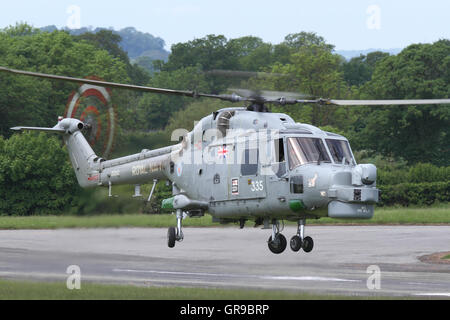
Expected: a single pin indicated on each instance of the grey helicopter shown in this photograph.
(238, 164)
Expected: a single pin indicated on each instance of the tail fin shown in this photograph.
(81, 154)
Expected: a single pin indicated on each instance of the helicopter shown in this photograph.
(238, 164)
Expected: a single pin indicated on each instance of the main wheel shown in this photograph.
(278, 245)
(296, 243)
(308, 244)
(171, 237)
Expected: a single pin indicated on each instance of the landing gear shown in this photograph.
(308, 244)
(176, 234)
(299, 241)
(277, 242)
(171, 237)
(296, 243)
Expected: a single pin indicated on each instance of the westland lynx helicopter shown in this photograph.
(239, 164)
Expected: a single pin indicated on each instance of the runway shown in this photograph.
(232, 258)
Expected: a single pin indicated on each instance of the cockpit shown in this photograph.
(306, 150)
(340, 151)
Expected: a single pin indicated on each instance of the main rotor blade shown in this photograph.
(192, 94)
(100, 83)
(226, 97)
(385, 102)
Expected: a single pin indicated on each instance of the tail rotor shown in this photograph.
(93, 106)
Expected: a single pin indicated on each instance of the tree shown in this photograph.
(36, 102)
(210, 52)
(314, 71)
(110, 41)
(416, 133)
(35, 175)
(252, 53)
(154, 110)
(296, 41)
(359, 70)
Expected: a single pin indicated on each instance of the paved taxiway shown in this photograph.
(233, 258)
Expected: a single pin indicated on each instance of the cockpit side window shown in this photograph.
(306, 150)
(279, 167)
(279, 148)
(340, 151)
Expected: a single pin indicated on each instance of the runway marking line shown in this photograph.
(433, 294)
(264, 277)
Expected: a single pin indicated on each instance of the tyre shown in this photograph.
(171, 237)
(278, 245)
(296, 243)
(308, 244)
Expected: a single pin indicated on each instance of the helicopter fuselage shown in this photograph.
(244, 165)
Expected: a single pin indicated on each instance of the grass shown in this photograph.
(20, 290)
(400, 216)
(101, 221)
(383, 216)
(447, 257)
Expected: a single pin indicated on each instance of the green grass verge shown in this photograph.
(20, 290)
(401, 216)
(447, 257)
(101, 221)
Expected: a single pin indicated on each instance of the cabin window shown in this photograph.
(249, 164)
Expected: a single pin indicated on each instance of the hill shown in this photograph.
(140, 46)
(348, 54)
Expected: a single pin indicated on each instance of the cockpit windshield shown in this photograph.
(340, 151)
(306, 150)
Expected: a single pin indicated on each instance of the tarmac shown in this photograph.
(346, 260)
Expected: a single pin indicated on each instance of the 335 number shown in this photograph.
(257, 186)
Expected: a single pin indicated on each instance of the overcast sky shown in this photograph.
(348, 24)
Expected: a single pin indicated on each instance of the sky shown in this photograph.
(347, 24)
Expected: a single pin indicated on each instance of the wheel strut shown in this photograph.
(180, 235)
(176, 234)
(299, 241)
